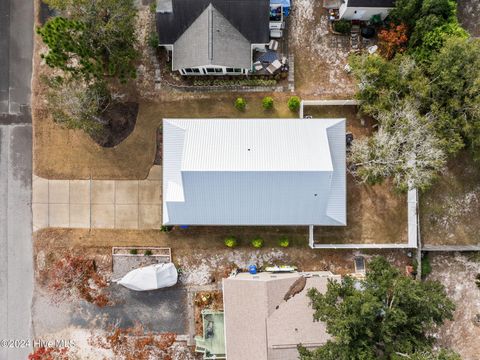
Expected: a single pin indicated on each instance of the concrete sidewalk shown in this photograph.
(108, 204)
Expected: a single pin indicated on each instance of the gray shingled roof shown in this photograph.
(211, 40)
(371, 3)
(249, 17)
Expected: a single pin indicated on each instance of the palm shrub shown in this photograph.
(231, 242)
(294, 103)
(240, 104)
(257, 243)
(267, 103)
(342, 26)
(284, 242)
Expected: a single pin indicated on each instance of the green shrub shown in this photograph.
(165, 228)
(133, 251)
(284, 242)
(294, 103)
(257, 243)
(153, 40)
(231, 242)
(267, 103)
(342, 26)
(148, 252)
(240, 104)
(234, 82)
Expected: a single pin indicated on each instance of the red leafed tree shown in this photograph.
(77, 276)
(394, 39)
(135, 344)
(49, 353)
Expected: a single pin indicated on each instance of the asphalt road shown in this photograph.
(16, 268)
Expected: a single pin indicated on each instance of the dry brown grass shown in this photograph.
(375, 215)
(449, 210)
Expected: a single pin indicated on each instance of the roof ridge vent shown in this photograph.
(210, 32)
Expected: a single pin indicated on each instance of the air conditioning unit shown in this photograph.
(276, 34)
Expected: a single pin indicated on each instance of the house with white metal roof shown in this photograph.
(254, 172)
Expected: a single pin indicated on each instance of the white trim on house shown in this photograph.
(218, 70)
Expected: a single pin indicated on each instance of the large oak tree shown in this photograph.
(386, 316)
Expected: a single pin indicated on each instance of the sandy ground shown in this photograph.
(210, 254)
(457, 272)
(320, 56)
(469, 16)
(449, 210)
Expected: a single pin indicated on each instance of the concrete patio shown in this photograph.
(109, 204)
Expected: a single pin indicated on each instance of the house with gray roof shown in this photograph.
(364, 10)
(266, 320)
(213, 37)
(254, 172)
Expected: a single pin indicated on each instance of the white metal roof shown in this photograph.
(254, 172)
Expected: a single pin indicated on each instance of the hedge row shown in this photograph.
(239, 82)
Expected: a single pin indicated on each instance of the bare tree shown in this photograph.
(77, 105)
(405, 148)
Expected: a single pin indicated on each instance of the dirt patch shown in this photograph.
(320, 57)
(449, 210)
(457, 273)
(120, 119)
(469, 16)
(375, 215)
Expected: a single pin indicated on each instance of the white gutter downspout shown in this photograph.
(310, 236)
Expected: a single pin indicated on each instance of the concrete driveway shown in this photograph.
(108, 204)
(16, 270)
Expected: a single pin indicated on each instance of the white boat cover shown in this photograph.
(150, 277)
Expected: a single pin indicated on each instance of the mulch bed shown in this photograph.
(158, 153)
(121, 119)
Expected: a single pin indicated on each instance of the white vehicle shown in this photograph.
(150, 277)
